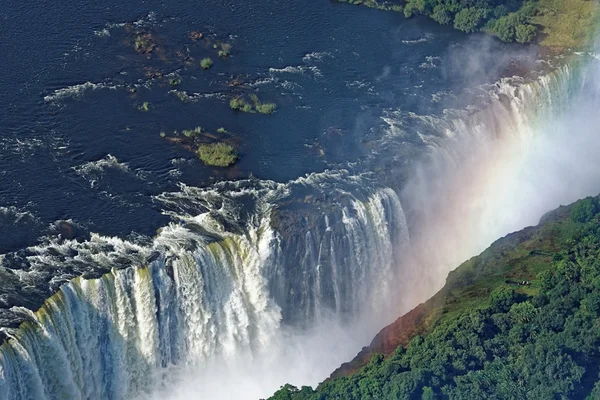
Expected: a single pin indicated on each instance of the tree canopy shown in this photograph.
(520, 321)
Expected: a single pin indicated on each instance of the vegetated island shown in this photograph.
(213, 150)
(164, 63)
(554, 24)
(519, 321)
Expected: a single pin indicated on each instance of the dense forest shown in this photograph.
(509, 20)
(519, 321)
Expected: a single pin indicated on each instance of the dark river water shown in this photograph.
(397, 150)
(74, 145)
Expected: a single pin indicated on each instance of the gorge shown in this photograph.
(252, 282)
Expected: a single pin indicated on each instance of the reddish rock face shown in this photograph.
(398, 333)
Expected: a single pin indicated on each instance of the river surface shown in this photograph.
(71, 152)
(313, 220)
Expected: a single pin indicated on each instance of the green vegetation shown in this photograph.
(567, 23)
(144, 43)
(174, 81)
(191, 133)
(145, 106)
(266, 108)
(380, 5)
(520, 321)
(217, 154)
(221, 130)
(263, 108)
(206, 63)
(225, 50)
(182, 96)
(563, 23)
(241, 104)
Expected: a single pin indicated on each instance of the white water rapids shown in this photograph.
(257, 283)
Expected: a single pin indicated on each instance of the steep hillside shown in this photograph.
(519, 321)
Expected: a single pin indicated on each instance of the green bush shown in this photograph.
(505, 27)
(409, 10)
(239, 104)
(217, 154)
(225, 50)
(191, 133)
(441, 15)
(206, 63)
(145, 106)
(266, 108)
(469, 20)
(525, 33)
(584, 210)
(500, 11)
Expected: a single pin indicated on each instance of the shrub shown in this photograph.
(409, 10)
(584, 210)
(500, 11)
(206, 63)
(502, 298)
(239, 104)
(190, 133)
(266, 108)
(182, 96)
(525, 33)
(504, 28)
(217, 154)
(144, 107)
(441, 15)
(175, 81)
(221, 130)
(225, 50)
(469, 19)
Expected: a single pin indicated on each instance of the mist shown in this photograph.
(484, 176)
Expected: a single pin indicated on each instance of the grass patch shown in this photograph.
(225, 50)
(145, 107)
(239, 104)
(191, 133)
(567, 23)
(206, 63)
(217, 154)
(266, 108)
(263, 108)
(255, 105)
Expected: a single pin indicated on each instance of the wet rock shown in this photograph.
(195, 35)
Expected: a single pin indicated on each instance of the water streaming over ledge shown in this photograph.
(245, 260)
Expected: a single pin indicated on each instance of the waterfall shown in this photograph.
(244, 263)
(206, 294)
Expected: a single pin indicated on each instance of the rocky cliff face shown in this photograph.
(468, 283)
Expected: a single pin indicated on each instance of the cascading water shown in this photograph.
(245, 263)
(205, 294)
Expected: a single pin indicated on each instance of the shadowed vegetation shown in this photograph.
(519, 321)
(562, 23)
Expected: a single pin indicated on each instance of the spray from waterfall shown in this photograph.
(257, 283)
